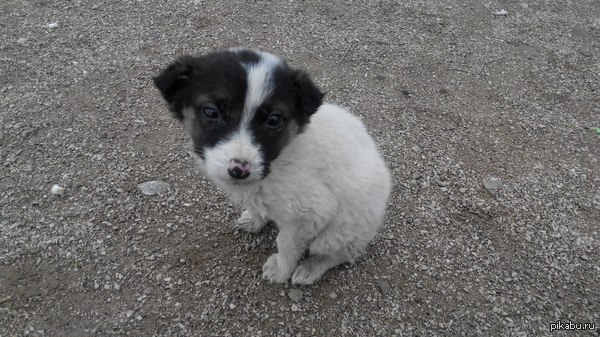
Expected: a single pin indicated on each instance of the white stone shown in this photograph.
(57, 190)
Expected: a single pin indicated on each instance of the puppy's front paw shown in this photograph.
(248, 223)
(304, 276)
(311, 269)
(276, 269)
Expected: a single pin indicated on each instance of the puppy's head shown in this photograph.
(241, 108)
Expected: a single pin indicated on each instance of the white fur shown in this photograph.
(327, 192)
(260, 84)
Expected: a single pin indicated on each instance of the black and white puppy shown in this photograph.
(261, 133)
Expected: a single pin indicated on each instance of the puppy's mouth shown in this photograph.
(240, 183)
(251, 180)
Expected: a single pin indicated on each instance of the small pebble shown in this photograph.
(384, 287)
(492, 183)
(153, 187)
(407, 91)
(296, 295)
(57, 190)
(441, 183)
(53, 25)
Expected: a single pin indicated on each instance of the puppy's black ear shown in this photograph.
(308, 94)
(173, 80)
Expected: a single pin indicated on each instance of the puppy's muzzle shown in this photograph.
(239, 168)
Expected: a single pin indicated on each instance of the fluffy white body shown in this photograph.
(261, 133)
(327, 192)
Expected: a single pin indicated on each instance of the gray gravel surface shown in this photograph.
(485, 121)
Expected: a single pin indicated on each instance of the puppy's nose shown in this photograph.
(239, 168)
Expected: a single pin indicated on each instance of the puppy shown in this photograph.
(261, 133)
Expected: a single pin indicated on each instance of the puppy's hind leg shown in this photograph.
(311, 269)
(250, 222)
(292, 242)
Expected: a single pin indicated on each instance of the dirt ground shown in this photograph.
(486, 122)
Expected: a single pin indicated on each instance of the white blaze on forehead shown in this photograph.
(260, 83)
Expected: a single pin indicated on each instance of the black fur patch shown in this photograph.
(221, 79)
(296, 98)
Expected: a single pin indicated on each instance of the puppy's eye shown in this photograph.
(274, 121)
(210, 112)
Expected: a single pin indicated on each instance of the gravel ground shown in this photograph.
(486, 122)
